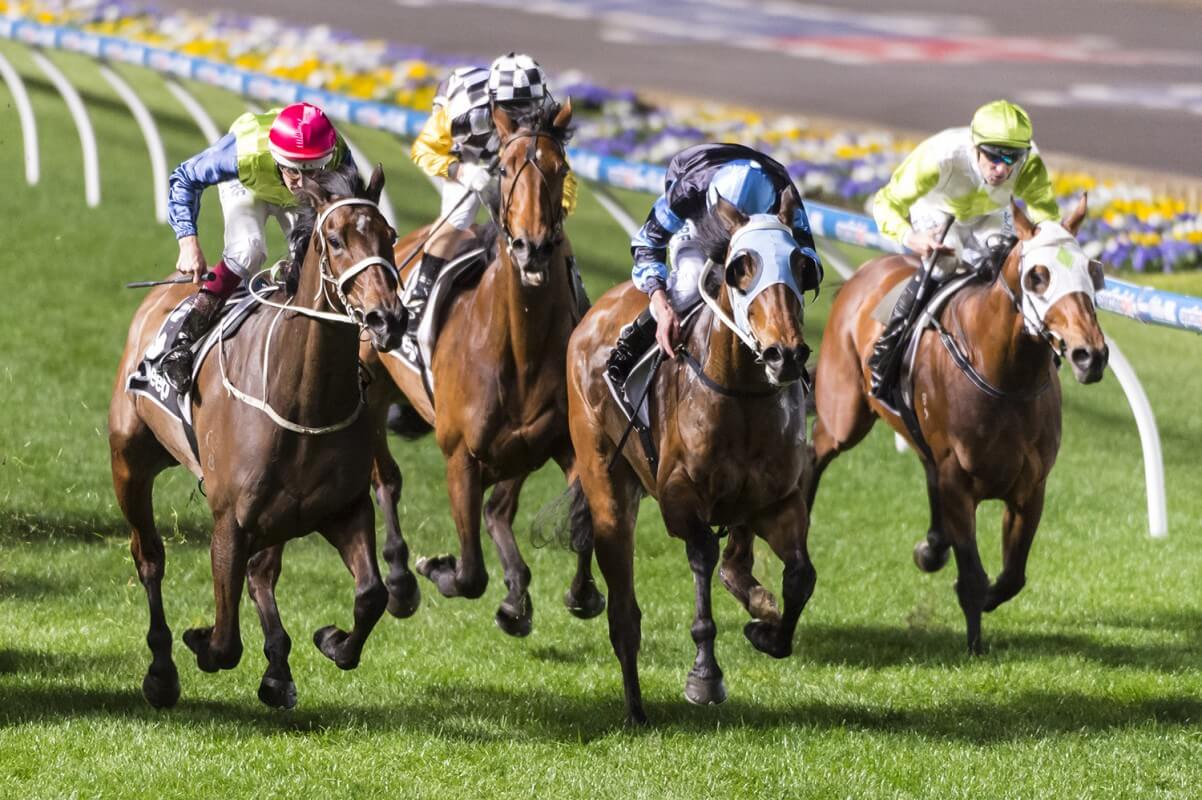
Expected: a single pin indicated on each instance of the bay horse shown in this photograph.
(729, 428)
(985, 390)
(297, 461)
(500, 408)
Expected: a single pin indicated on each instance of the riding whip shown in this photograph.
(441, 221)
(208, 276)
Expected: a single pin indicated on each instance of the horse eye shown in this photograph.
(334, 241)
(502, 171)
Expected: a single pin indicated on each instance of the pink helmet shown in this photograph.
(302, 137)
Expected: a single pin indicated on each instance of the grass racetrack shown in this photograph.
(1092, 684)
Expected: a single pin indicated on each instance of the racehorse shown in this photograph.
(985, 391)
(297, 460)
(500, 408)
(729, 428)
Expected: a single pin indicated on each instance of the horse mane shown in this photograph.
(712, 237)
(342, 181)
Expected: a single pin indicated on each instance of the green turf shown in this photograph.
(1091, 686)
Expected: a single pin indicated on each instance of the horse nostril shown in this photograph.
(774, 355)
(1082, 357)
(373, 319)
(519, 245)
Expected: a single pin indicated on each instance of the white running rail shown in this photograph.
(87, 137)
(29, 127)
(150, 132)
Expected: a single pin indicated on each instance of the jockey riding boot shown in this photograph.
(633, 341)
(885, 360)
(176, 366)
(427, 273)
(578, 292)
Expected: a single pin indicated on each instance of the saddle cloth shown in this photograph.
(146, 379)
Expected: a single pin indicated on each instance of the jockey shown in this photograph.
(696, 178)
(458, 146)
(257, 168)
(969, 174)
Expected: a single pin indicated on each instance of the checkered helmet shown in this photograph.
(517, 79)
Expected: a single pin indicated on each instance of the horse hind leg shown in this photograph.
(277, 688)
(136, 460)
(843, 416)
(515, 615)
(735, 572)
(1018, 530)
(404, 596)
(354, 536)
(582, 599)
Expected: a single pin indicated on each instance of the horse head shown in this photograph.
(1057, 282)
(532, 167)
(762, 268)
(352, 246)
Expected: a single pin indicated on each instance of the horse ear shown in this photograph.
(313, 191)
(503, 122)
(1073, 221)
(375, 186)
(729, 215)
(564, 116)
(788, 207)
(1022, 224)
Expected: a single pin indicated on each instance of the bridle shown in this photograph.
(557, 214)
(340, 282)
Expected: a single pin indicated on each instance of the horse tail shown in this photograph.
(566, 520)
(404, 421)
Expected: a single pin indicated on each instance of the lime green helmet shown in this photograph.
(1003, 124)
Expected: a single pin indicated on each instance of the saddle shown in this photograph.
(146, 379)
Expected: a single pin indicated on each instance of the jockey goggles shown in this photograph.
(1001, 155)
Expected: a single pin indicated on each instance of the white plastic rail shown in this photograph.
(87, 137)
(29, 127)
(150, 132)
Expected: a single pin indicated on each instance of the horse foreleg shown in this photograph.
(133, 488)
(704, 685)
(220, 646)
(262, 572)
(1018, 530)
(404, 596)
(515, 615)
(354, 535)
(786, 532)
(465, 577)
(959, 515)
(583, 599)
(930, 554)
(738, 559)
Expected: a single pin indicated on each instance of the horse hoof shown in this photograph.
(765, 637)
(161, 691)
(514, 621)
(404, 596)
(929, 559)
(636, 718)
(586, 604)
(276, 693)
(704, 691)
(330, 641)
(197, 640)
(762, 605)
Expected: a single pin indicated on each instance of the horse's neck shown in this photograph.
(313, 362)
(529, 314)
(1007, 355)
(728, 362)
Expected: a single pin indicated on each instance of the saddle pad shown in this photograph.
(146, 379)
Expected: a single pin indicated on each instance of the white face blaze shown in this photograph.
(362, 221)
(1056, 249)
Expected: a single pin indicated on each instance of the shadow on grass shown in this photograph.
(20, 526)
(476, 714)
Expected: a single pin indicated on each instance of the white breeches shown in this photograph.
(245, 222)
(969, 236)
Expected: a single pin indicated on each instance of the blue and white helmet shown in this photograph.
(517, 78)
(743, 184)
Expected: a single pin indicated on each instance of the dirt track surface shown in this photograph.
(1103, 79)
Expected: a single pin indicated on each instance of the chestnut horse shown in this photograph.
(991, 429)
(729, 428)
(297, 461)
(500, 409)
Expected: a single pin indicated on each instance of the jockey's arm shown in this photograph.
(1034, 187)
(918, 174)
(431, 150)
(216, 164)
(649, 247)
